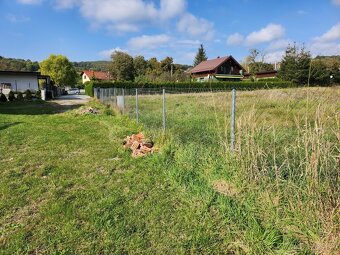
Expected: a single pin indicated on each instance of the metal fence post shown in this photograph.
(115, 96)
(137, 114)
(123, 101)
(232, 127)
(164, 119)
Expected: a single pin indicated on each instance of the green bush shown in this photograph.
(89, 88)
(239, 85)
(11, 96)
(20, 96)
(28, 95)
(38, 94)
(3, 98)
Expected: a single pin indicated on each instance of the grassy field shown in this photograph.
(68, 187)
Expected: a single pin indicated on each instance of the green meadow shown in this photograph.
(67, 185)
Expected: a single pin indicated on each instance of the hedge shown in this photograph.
(240, 85)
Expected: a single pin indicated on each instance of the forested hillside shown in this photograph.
(13, 64)
(94, 65)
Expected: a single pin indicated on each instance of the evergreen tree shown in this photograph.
(295, 65)
(200, 56)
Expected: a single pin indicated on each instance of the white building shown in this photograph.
(19, 81)
(89, 75)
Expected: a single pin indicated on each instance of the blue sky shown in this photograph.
(91, 29)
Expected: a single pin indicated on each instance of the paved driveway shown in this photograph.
(71, 100)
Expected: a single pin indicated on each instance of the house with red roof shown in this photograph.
(221, 68)
(90, 75)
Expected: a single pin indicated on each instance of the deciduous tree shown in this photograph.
(140, 65)
(122, 66)
(60, 69)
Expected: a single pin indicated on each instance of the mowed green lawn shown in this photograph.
(67, 185)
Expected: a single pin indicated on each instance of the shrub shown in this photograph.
(28, 95)
(38, 94)
(11, 96)
(227, 85)
(20, 97)
(3, 98)
(89, 88)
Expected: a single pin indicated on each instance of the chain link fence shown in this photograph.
(237, 119)
(286, 141)
(189, 114)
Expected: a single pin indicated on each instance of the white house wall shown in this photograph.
(85, 78)
(20, 82)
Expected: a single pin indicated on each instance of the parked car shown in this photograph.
(73, 91)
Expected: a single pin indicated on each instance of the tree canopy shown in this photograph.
(12, 64)
(256, 65)
(122, 66)
(295, 65)
(140, 65)
(200, 56)
(60, 69)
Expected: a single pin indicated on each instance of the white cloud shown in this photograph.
(64, 4)
(331, 35)
(124, 15)
(172, 8)
(30, 1)
(235, 39)
(195, 27)
(328, 43)
(279, 44)
(185, 57)
(273, 57)
(336, 2)
(149, 41)
(189, 42)
(17, 19)
(102, 11)
(324, 48)
(266, 34)
(107, 53)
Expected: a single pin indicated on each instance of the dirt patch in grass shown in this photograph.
(225, 188)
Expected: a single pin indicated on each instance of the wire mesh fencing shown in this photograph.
(237, 119)
(188, 114)
(287, 139)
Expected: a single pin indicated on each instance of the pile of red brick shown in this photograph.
(138, 145)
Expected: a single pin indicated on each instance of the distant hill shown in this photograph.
(13, 64)
(94, 65)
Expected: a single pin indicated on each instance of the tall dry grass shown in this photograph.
(294, 161)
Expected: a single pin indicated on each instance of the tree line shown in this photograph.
(127, 68)
(297, 66)
(12, 64)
